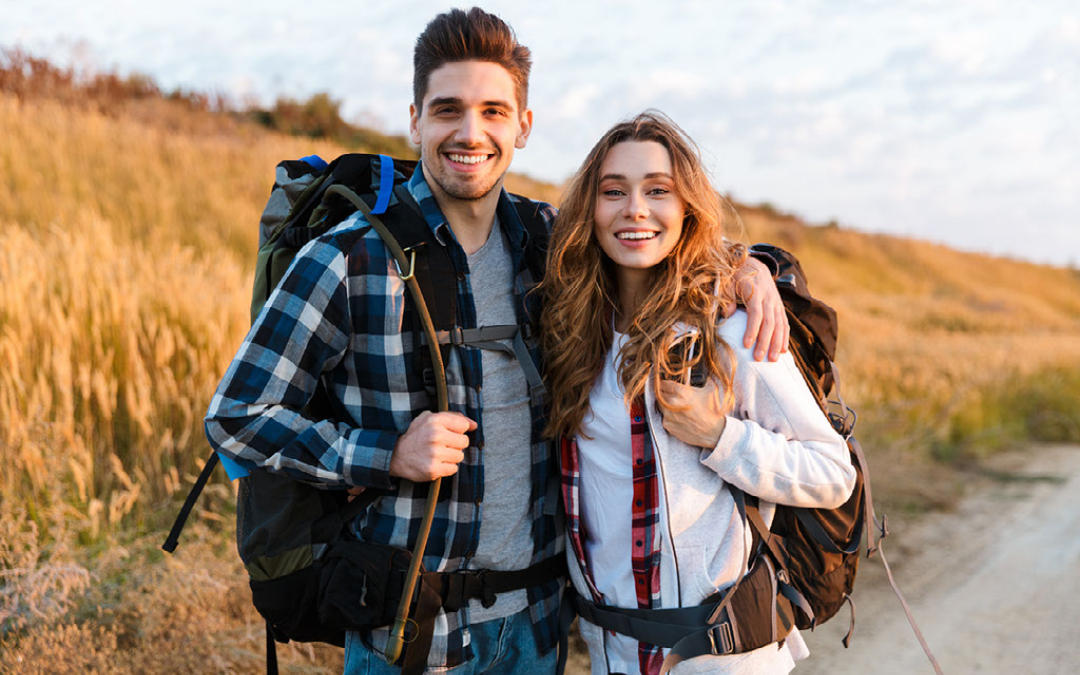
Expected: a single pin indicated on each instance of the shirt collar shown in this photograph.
(506, 215)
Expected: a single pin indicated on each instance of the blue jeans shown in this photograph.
(500, 647)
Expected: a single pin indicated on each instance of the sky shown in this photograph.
(954, 122)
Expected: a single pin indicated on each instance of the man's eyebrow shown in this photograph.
(454, 100)
(445, 100)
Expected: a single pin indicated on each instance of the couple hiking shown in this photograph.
(672, 409)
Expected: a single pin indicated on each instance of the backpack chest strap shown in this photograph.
(491, 338)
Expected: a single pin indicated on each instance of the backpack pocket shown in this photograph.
(360, 584)
(289, 604)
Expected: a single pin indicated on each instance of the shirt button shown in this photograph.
(639, 503)
(479, 501)
(639, 544)
(470, 554)
(478, 388)
(640, 462)
(641, 582)
(480, 445)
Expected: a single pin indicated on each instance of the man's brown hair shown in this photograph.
(474, 35)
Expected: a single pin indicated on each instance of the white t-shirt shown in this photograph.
(607, 496)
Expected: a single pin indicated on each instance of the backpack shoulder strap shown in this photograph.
(536, 230)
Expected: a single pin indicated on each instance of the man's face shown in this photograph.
(468, 128)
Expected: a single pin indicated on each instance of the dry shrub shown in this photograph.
(66, 648)
(36, 586)
(137, 613)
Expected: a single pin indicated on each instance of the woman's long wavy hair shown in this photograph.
(693, 286)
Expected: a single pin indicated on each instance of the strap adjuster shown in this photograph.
(721, 639)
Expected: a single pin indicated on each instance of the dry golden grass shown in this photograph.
(126, 250)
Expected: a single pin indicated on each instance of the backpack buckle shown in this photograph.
(412, 266)
(721, 639)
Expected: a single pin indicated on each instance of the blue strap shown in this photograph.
(315, 161)
(233, 469)
(386, 184)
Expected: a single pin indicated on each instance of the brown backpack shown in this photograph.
(804, 565)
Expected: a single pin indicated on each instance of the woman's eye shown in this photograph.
(612, 192)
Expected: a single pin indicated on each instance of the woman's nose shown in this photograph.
(636, 207)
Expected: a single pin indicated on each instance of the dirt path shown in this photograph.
(995, 585)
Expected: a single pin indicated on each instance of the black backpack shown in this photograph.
(292, 537)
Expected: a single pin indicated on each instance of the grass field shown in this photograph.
(125, 259)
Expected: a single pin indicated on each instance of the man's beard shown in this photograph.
(460, 188)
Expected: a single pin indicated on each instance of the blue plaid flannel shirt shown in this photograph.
(340, 315)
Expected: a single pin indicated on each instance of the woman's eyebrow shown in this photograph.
(653, 174)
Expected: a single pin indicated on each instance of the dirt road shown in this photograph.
(995, 585)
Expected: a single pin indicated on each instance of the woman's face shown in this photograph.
(639, 214)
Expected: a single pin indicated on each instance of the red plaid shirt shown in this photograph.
(645, 532)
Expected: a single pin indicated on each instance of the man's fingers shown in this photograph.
(445, 469)
(455, 422)
(780, 335)
(754, 318)
(452, 440)
(765, 336)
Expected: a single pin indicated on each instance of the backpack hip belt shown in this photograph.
(452, 590)
(751, 614)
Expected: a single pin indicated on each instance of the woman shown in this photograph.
(639, 283)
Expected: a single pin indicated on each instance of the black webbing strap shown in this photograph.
(271, 651)
(566, 618)
(451, 590)
(181, 519)
(488, 337)
(686, 631)
(662, 627)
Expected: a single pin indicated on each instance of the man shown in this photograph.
(468, 116)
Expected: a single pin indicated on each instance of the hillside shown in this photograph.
(125, 266)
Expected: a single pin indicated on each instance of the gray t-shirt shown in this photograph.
(505, 526)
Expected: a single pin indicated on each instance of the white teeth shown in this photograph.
(468, 159)
(636, 235)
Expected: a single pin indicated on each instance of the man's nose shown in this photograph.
(470, 132)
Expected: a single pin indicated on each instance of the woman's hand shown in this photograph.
(694, 415)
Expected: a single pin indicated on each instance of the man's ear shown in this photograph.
(526, 127)
(414, 124)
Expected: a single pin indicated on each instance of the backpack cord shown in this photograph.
(873, 547)
(396, 641)
(907, 611)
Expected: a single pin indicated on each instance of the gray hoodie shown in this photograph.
(778, 446)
